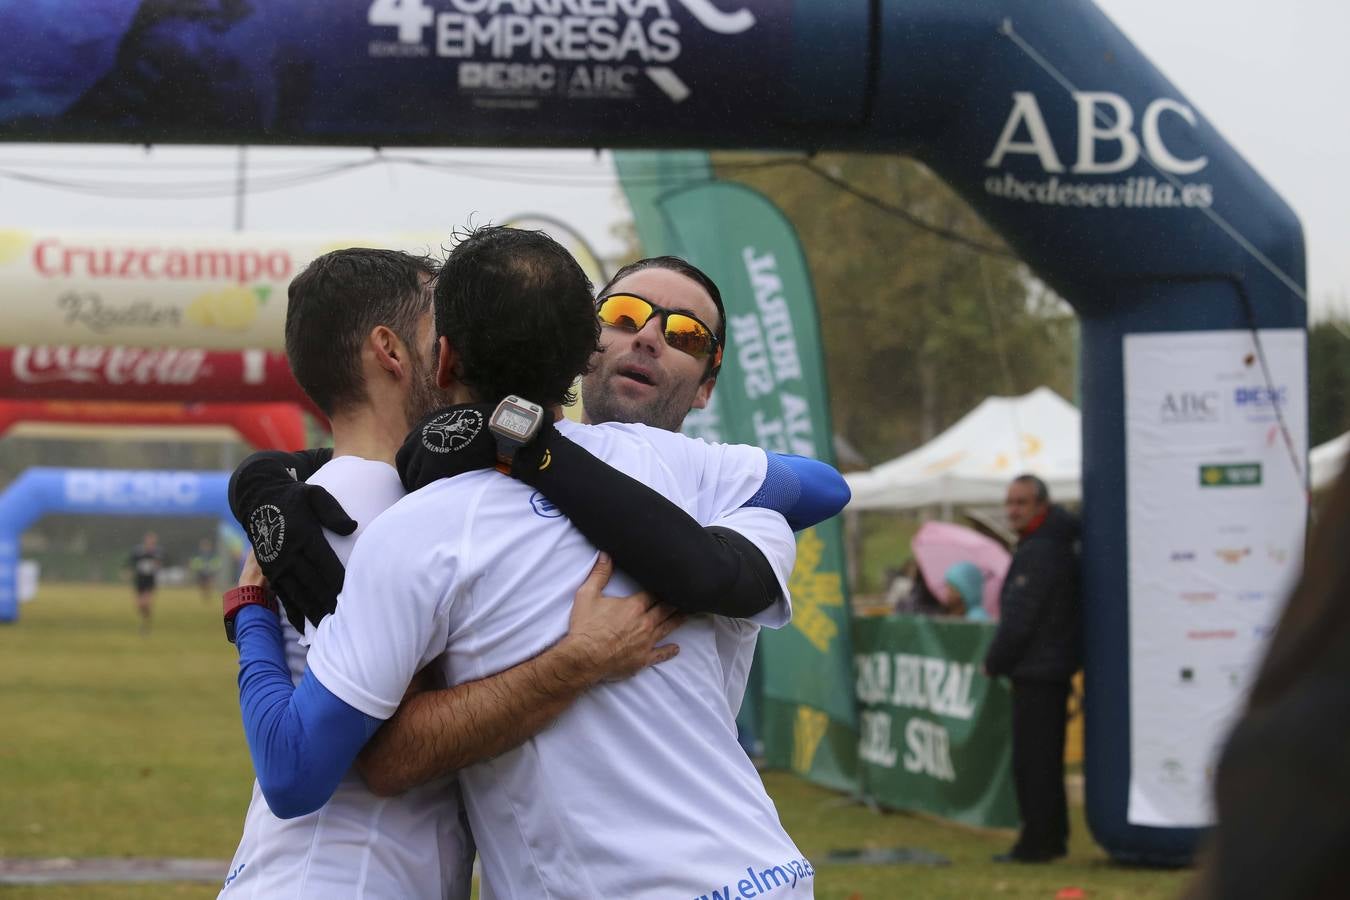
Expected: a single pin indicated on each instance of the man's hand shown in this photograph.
(617, 637)
(436, 732)
(285, 520)
(252, 573)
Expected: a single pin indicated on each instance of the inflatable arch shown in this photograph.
(267, 426)
(100, 492)
(1040, 113)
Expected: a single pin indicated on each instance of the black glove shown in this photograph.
(284, 519)
(454, 440)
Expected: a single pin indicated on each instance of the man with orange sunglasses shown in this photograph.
(659, 355)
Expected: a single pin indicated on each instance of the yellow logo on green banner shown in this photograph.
(807, 733)
(813, 592)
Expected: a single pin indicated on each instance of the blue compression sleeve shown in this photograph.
(302, 739)
(804, 491)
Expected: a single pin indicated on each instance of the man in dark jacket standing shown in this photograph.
(1039, 646)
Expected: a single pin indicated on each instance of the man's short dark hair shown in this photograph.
(1042, 492)
(693, 273)
(519, 312)
(335, 303)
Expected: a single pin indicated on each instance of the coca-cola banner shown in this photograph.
(217, 291)
(132, 373)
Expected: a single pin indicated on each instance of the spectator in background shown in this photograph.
(205, 566)
(145, 562)
(1039, 646)
(920, 601)
(964, 586)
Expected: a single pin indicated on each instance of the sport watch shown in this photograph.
(237, 598)
(514, 424)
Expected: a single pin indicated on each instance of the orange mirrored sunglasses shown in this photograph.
(683, 331)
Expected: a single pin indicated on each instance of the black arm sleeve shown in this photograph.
(695, 569)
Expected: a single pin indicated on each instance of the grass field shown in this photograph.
(119, 745)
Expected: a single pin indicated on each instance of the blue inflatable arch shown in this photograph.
(1040, 113)
(100, 492)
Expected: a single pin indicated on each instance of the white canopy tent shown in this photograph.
(972, 462)
(1325, 461)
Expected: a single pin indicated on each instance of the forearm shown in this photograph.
(441, 731)
(302, 740)
(662, 547)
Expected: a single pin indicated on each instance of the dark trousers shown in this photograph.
(1038, 721)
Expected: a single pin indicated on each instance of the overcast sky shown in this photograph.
(1271, 77)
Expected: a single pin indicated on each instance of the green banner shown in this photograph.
(648, 176)
(771, 393)
(936, 735)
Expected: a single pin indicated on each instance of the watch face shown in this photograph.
(514, 422)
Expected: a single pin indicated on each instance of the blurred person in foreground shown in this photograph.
(1283, 778)
(1039, 646)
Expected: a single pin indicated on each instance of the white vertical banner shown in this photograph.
(1217, 506)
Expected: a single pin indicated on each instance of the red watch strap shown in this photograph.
(245, 595)
(237, 598)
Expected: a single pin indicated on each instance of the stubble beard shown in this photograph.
(424, 397)
(603, 404)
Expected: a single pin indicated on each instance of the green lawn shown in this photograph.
(121, 745)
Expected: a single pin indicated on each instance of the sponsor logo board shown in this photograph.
(1221, 475)
(516, 54)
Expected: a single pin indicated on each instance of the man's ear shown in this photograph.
(703, 394)
(445, 363)
(388, 349)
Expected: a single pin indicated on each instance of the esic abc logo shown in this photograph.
(452, 431)
(1190, 406)
(267, 531)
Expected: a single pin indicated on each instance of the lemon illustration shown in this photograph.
(12, 245)
(229, 309)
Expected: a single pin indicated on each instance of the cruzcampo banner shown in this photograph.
(771, 393)
(936, 734)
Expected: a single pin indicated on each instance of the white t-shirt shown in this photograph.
(640, 789)
(357, 845)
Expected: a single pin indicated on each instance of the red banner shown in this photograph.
(166, 374)
(267, 426)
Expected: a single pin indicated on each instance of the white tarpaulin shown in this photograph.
(973, 461)
(1325, 461)
(1216, 508)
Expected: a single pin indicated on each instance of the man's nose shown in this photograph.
(650, 337)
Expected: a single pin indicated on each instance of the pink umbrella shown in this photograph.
(938, 546)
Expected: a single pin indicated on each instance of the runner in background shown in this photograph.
(205, 567)
(145, 563)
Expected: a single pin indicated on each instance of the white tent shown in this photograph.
(972, 462)
(1326, 461)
